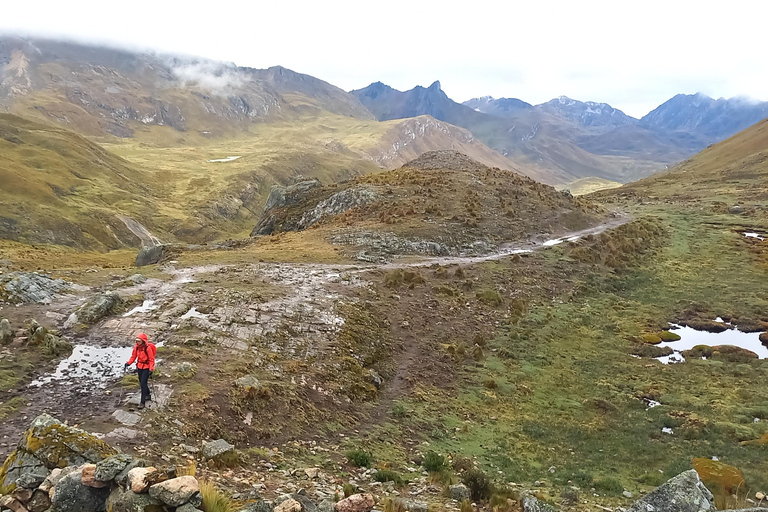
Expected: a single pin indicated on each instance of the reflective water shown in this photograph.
(690, 337)
(89, 366)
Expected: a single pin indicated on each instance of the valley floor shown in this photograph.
(530, 366)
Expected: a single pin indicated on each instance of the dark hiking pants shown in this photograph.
(143, 381)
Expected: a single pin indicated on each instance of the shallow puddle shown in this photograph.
(89, 366)
(690, 337)
(754, 235)
(227, 159)
(146, 307)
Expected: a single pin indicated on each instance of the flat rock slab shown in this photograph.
(122, 434)
(126, 418)
(161, 393)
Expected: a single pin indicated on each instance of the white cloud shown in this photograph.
(633, 55)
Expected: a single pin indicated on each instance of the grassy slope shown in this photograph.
(559, 387)
(61, 188)
(733, 170)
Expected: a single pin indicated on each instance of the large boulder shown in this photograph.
(531, 504)
(129, 501)
(28, 287)
(176, 491)
(151, 255)
(217, 448)
(279, 199)
(140, 479)
(50, 444)
(683, 493)
(97, 308)
(71, 495)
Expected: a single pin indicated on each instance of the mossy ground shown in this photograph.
(569, 396)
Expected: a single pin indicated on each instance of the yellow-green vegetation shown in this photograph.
(585, 186)
(11, 406)
(215, 500)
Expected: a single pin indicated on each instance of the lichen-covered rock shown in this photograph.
(122, 478)
(188, 508)
(262, 506)
(88, 472)
(683, 493)
(31, 480)
(70, 495)
(49, 444)
(141, 479)
(176, 491)
(31, 287)
(39, 502)
(110, 467)
(11, 503)
(128, 501)
(531, 504)
(6, 332)
(356, 503)
(459, 492)
(99, 307)
(217, 448)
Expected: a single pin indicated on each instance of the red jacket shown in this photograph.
(144, 356)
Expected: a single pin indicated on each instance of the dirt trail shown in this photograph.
(86, 390)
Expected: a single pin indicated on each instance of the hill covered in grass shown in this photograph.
(440, 203)
(59, 188)
(732, 171)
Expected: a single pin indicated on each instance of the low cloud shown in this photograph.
(214, 77)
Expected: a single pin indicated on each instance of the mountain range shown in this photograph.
(572, 139)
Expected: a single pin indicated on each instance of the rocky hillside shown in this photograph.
(708, 119)
(98, 90)
(440, 203)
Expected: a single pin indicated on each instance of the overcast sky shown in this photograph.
(633, 55)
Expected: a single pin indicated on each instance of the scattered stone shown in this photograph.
(6, 332)
(217, 448)
(289, 505)
(626, 494)
(459, 492)
(140, 479)
(151, 255)
(126, 418)
(70, 495)
(359, 503)
(376, 379)
(87, 477)
(23, 495)
(760, 496)
(122, 478)
(40, 501)
(736, 210)
(248, 381)
(260, 506)
(312, 473)
(326, 506)
(410, 505)
(110, 467)
(531, 504)
(176, 491)
(128, 501)
(683, 493)
(12, 504)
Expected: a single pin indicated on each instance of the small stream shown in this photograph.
(690, 337)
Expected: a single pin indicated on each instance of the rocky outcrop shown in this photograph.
(95, 309)
(152, 255)
(31, 287)
(338, 203)
(216, 449)
(279, 199)
(356, 503)
(683, 493)
(49, 444)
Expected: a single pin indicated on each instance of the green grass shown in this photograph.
(569, 394)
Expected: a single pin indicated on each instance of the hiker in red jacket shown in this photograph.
(144, 355)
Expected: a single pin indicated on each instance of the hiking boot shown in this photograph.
(141, 405)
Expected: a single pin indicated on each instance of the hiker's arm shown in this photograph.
(133, 357)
